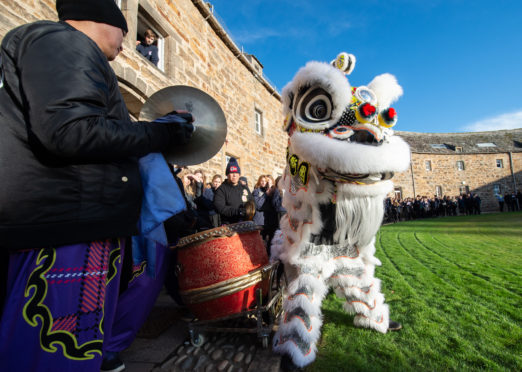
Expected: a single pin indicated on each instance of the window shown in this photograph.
(500, 163)
(464, 190)
(397, 191)
(496, 189)
(427, 163)
(460, 165)
(145, 22)
(438, 191)
(486, 144)
(458, 149)
(258, 122)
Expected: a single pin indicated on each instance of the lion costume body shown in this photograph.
(341, 156)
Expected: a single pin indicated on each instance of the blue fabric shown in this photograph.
(162, 199)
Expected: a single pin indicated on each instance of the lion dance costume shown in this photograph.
(340, 159)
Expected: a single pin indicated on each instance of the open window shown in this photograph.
(146, 22)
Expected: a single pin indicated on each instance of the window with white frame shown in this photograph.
(497, 189)
(464, 190)
(258, 122)
(427, 164)
(397, 191)
(438, 191)
(500, 163)
(144, 24)
(460, 165)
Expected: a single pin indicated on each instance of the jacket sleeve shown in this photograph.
(259, 199)
(154, 58)
(67, 83)
(221, 206)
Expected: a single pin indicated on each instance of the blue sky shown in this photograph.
(459, 62)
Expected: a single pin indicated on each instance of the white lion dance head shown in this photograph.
(341, 156)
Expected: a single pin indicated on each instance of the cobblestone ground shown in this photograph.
(220, 352)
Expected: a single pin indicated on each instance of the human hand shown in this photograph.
(179, 127)
(138, 42)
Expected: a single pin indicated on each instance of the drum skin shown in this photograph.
(206, 265)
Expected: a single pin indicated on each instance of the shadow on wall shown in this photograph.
(501, 186)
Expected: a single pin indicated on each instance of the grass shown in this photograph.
(455, 285)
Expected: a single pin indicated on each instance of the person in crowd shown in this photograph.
(277, 198)
(147, 48)
(462, 204)
(231, 197)
(500, 200)
(193, 189)
(476, 204)
(509, 203)
(266, 214)
(69, 136)
(244, 181)
(207, 201)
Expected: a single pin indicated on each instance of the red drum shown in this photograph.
(221, 269)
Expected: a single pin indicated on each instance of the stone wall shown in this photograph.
(480, 174)
(199, 53)
(195, 55)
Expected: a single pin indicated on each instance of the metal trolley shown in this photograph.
(261, 319)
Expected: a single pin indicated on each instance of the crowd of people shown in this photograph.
(229, 200)
(396, 209)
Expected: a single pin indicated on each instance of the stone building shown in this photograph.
(484, 163)
(195, 50)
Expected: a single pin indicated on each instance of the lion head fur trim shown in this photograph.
(386, 88)
(320, 74)
(350, 158)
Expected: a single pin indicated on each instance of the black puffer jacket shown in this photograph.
(68, 150)
(228, 199)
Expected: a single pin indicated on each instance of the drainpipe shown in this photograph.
(412, 177)
(512, 172)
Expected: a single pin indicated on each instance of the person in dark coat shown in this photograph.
(207, 201)
(230, 198)
(266, 214)
(147, 48)
(71, 188)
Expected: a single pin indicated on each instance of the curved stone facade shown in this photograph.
(489, 162)
(198, 52)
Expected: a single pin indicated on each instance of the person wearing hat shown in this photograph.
(231, 197)
(71, 188)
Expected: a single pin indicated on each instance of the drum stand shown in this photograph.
(266, 312)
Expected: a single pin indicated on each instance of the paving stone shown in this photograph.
(222, 365)
(180, 350)
(217, 354)
(248, 358)
(197, 351)
(187, 364)
(189, 349)
(230, 369)
(229, 354)
(180, 360)
(241, 347)
(202, 360)
(239, 357)
(210, 368)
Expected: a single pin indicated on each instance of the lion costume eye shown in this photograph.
(313, 108)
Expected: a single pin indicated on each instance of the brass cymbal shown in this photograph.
(209, 122)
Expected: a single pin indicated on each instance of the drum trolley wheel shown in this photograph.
(266, 312)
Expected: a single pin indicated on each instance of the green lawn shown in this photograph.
(455, 285)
